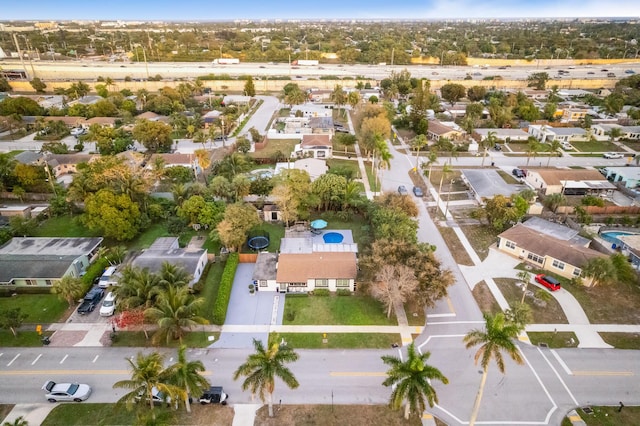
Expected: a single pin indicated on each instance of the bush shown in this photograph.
(343, 292)
(94, 271)
(224, 292)
(321, 292)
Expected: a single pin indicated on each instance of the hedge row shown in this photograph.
(224, 291)
(94, 271)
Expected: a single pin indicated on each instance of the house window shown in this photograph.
(510, 245)
(342, 282)
(558, 265)
(321, 154)
(577, 272)
(535, 258)
(322, 283)
(48, 282)
(297, 284)
(31, 282)
(262, 283)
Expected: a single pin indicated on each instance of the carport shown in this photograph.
(487, 183)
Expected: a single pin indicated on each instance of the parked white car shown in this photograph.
(612, 155)
(108, 307)
(77, 131)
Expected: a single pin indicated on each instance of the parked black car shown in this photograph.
(519, 173)
(91, 300)
(215, 395)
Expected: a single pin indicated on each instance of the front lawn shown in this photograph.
(608, 416)
(596, 146)
(115, 414)
(193, 339)
(456, 248)
(335, 310)
(484, 298)
(608, 304)
(333, 415)
(341, 340)
(24, 339)
(622, 340)
(562, 339)
(39, 308)
(551, 313)
(480, 237)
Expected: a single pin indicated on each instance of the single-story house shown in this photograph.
(510, 135)
(320, 95)
(29, 157)
(568, 181)
(562, 253)
(322, 125)
(40, 262)
(23, 210)
(626, 132)
(306, 262)
(63, 164)
(102, 121)
(311, 110)
(167, 249)
(439, 130)
(315, 146)
(545, 133)
(236, 100)
(68, 121)
(173, 160)
(631, 247)
(628, 176)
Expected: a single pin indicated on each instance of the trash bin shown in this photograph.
(493, 164)
(46, 340)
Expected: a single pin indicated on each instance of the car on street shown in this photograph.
(611, 75)
(497, 147)
(612, 155)
(549, 282)
(108, 305)
(629, 72)
(519, 173)
(402, 190)
(90, 300)
(215, 395)
(417, 191)
(590, 73)
(76, 392)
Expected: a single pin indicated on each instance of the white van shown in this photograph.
(108, 277)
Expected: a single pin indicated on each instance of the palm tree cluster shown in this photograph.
(165, 298)
(178, 382)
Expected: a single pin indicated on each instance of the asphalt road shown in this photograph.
(90, 70)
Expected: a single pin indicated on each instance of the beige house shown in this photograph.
(569, 181)
(314, 146)
(563, 257)
(438, 130)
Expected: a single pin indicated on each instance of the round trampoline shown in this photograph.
(333, 237)
(259, 242)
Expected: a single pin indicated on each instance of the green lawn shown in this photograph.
(595, 146)
(622, 340)
(480, 237)
(147, 237)
(194, 339)
(609, 416)
(371, 177)
(276, 233)
(357, 224)
(351, 165)
(552, 313)
(335, 310)
(23, 339)
(341, 340)
(63, 226)
(210, 288)
(554, 340)
(40, 308)
(285, 146)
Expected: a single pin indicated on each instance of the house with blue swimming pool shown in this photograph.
(308, 261)
(549, 246)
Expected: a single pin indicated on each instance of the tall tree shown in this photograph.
(339, 97)
(12, 319)
(186, 375)
(238, 219)
(249, 87)
(154, 135)
(262, 367)
(496, 339)
(394, 285)
(600, 270)
(411, 381)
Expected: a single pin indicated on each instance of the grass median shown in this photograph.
(341, 340)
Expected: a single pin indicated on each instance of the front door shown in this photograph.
(283, 287)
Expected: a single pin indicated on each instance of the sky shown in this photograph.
(203, 10)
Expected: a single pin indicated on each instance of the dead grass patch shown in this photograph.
(456, 248)
(481, 237)
(485, 300)
(333, 415)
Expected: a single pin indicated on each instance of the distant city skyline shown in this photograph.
(200, 10)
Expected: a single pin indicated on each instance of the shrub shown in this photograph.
(224, 292)
(290, 315)
(321, 292)
(94, 271)
(343, 292)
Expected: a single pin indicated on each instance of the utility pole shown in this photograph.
(15, 40)
(146, 65)
(393, 51)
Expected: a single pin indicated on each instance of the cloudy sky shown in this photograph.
(330, 9)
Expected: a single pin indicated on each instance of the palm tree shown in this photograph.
(614, 133)
(446, 170)
(339, 97)
(496, 338)
(204, 161)
(490, 140)
(175, 309)
(136, 287)
(20, 421)
(554, 147)
(410, 381)
(418, 143)
(173, 275)
(186, 376)
(262, 367)
(354, 99)
(432, 159)
(526, 279)
(533, 146)
(383, 155)
(147, 372)
(69, 288)
(600, 270)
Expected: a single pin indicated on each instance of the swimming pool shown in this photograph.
(611, 236)
(332, 237)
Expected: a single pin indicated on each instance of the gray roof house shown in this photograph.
(167, 249)
(40, 262)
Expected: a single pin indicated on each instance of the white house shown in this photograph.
(167, 249)
(315, 146)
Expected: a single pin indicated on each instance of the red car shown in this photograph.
(549, 282)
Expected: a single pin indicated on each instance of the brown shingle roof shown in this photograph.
(102, 120)
(309, 141)
(295, 268)
(439, 129)
(556, 176)
(545, 245)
